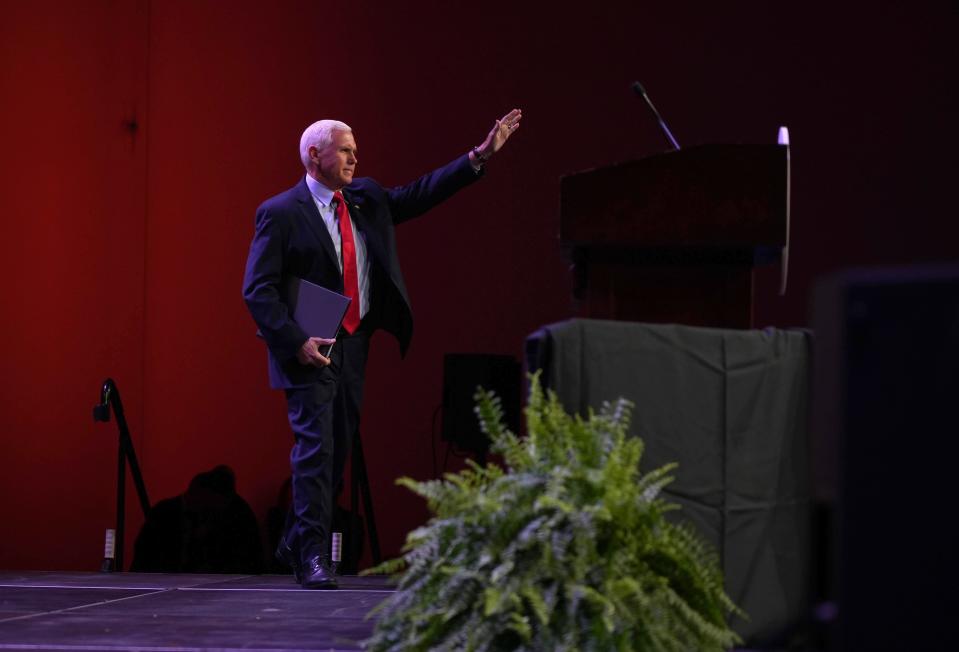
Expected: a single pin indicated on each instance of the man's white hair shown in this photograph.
(319, 135)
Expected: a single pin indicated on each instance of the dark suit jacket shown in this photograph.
(291, 240)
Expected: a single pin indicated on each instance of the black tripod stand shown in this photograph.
(360, 484)
(110, 396)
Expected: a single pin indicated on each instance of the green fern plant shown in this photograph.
(567, 548)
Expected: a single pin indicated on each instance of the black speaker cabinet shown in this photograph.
(886, 397)
(463, 373)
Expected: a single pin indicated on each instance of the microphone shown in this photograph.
(101, 411)
(639, 90)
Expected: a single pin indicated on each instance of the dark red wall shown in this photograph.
(124, 250)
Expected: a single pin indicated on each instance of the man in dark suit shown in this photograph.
(336, 232)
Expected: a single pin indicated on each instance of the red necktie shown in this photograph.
(351, 286)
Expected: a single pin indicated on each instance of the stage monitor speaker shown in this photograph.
(463, 373)
(886, 399)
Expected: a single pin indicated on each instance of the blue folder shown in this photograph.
(317, 310)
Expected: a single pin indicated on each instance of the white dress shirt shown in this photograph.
(323, 198)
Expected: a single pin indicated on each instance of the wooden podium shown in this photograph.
(673, 238)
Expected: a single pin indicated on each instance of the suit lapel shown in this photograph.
(374, 244)
(314, 221)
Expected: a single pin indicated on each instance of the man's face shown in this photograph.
(334, 165)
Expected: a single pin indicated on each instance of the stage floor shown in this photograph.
(166, 613)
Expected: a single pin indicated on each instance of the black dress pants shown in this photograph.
(324, 417)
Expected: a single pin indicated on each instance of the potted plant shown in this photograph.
(566, 548)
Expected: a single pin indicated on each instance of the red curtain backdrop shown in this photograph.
(139, 136)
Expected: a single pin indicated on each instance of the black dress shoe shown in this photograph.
(317, 574)
(285, 555)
